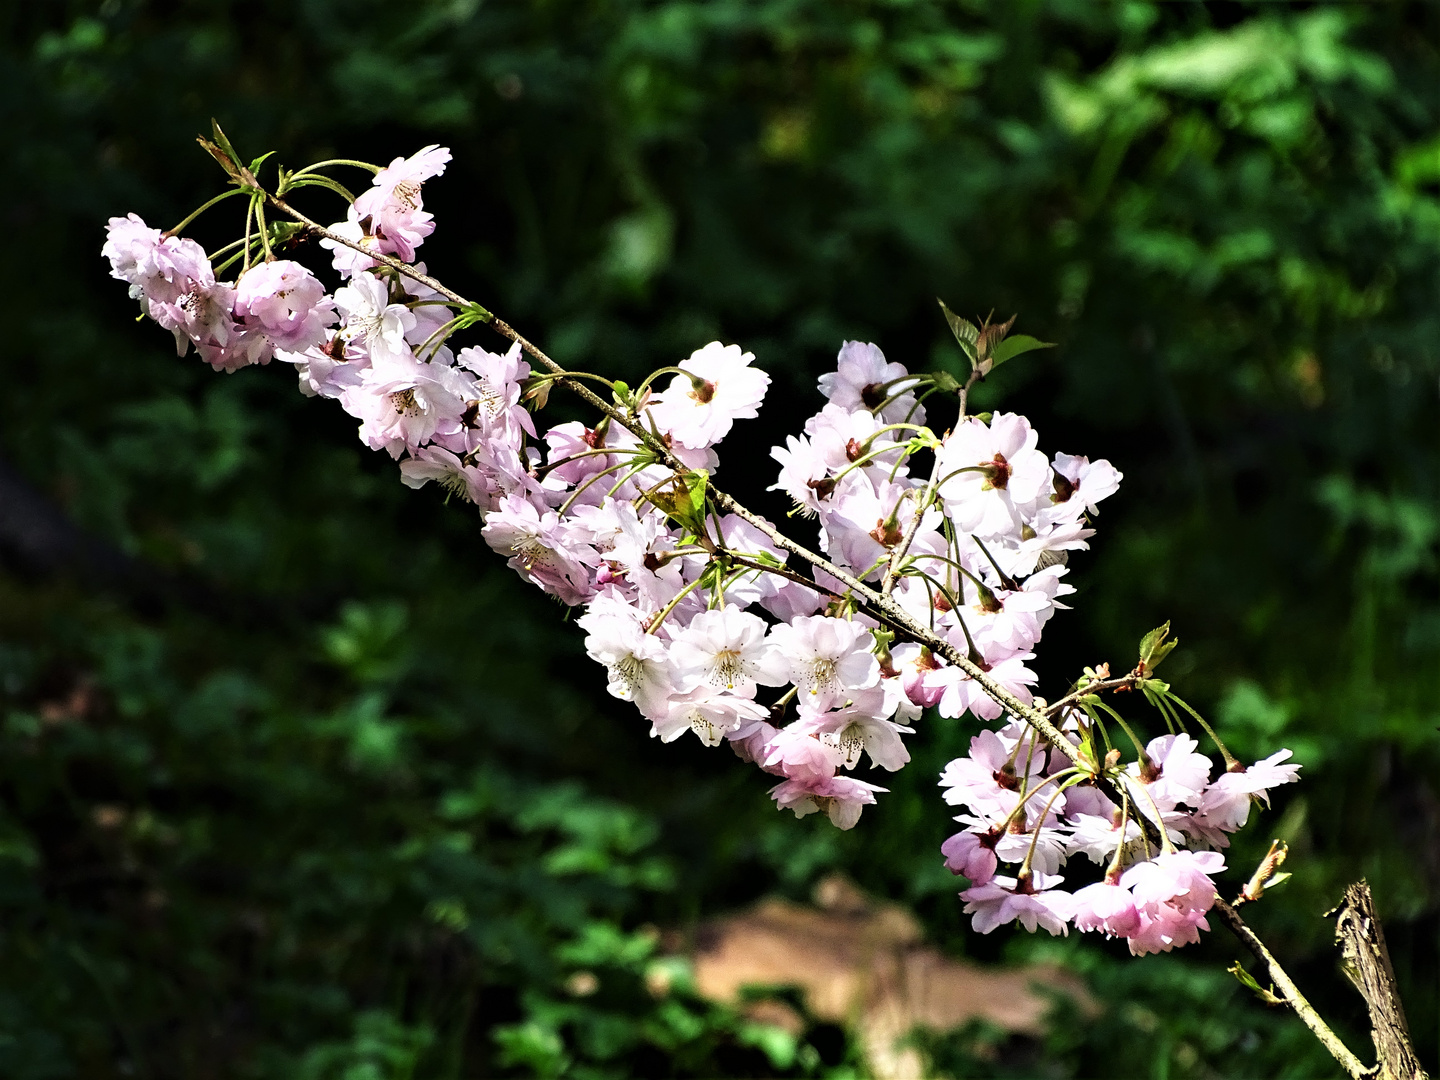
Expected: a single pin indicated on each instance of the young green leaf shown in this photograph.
(1012, 347)
(1154, 648)
(1269, 997)
(966, 332)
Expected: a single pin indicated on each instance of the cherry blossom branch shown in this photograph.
(263, 310)
(892, 611)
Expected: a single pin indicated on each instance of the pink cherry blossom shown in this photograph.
(861, 725)
(453, 476)
(988, 470)
(827, 658)
(726, 649)
(1107, 907)
(971, 853)
(372, 322)
(1225, 804)
(539, 549)
(712, 715)
(1033, 903)
(859, 382)
(638, 663)
(798, 752)
(285, 302)
(1176, 772)
(394, 205)
(842, 798)
(991, 776)
(1081, 483)
(698, 409)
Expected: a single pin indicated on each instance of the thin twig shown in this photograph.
(1293, 997)
(1125, 682)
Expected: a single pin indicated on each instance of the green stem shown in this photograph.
(640, 390)
(1230, 759)
(1165, 843)
(325, 182)
(552, 376)
(668, 608)
(1035, 839)
(1005, 579)
(590, 480)
(249, 217)
(600, 452)
(264, 229)
(203, 207)
(1139, 746)
(336, 161)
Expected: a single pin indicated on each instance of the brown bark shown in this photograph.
(1366, 962)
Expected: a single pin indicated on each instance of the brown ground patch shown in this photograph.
(864, 964)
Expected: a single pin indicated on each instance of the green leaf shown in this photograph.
(966, 332)
(223, 140)
(1246, 979)
(1011, 347)
(684, 500)
(1154, 648)
(695, 482)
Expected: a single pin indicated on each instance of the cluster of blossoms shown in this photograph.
(1028, 806)
(693, 611)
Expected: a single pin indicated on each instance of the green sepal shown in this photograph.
(224, 153)
(223, 140)
(1278, 879)
(535, 391)
(944, 381)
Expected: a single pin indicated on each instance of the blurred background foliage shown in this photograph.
(298, 781)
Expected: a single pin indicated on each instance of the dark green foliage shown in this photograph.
(297, 780)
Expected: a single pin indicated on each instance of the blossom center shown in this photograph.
(996, 472)
(729, 667)
(850, 743)
(532, 553)
(822, 674)
(630, 673)
(407, 193)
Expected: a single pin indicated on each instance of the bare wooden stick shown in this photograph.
(1366, 962)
